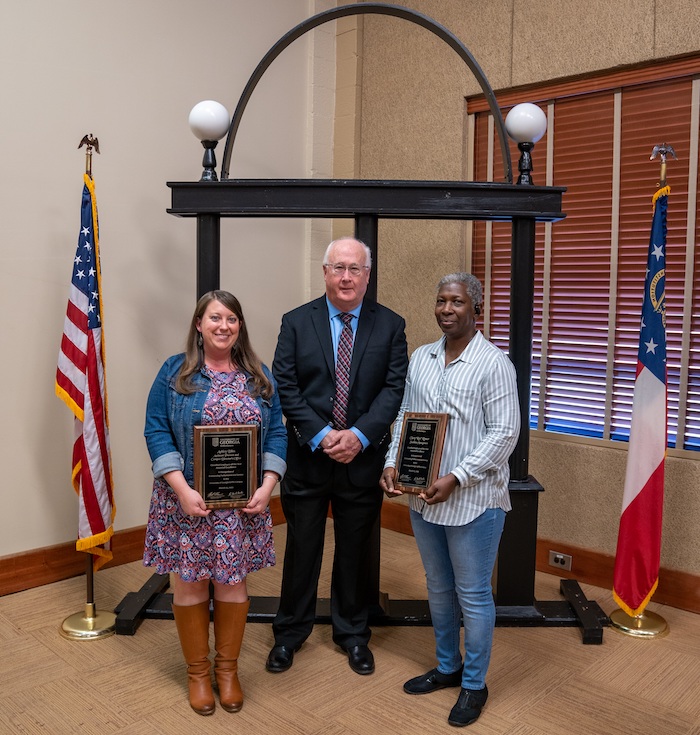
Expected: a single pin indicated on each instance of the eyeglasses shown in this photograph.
(340, 268)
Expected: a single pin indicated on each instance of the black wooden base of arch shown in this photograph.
(153, 602)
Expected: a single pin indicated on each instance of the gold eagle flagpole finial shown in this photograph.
(663, 150)
(91, 143)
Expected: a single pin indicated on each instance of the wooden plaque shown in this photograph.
(420, 451)
(225, 464)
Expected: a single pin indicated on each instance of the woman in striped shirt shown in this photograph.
(458, 520)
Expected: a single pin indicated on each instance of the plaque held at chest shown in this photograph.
(420, 451)
(225, 464)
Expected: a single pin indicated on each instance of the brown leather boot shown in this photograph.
(192, 623)
(229, 625)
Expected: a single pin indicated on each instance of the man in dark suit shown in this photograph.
(341, 380)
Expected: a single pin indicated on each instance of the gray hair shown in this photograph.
(368, 252)
(471, 283)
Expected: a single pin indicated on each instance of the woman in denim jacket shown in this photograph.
(218, 380)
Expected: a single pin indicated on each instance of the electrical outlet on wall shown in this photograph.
(560, 560)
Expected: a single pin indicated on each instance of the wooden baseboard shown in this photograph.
(395, 517)
(51, 564)
(677, 589)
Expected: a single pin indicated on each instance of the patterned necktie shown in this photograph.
(342, 373)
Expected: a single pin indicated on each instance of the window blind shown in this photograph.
(577, 386)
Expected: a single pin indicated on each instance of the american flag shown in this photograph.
(638, 556)
(80, 383)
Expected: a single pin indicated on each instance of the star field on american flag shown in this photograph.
(85, 270)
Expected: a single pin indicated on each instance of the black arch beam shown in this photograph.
(396, 11)
(352, 197)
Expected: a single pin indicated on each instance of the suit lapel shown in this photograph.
(319, 318)
(365, 325)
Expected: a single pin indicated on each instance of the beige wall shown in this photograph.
(129, 72)
(410, 120)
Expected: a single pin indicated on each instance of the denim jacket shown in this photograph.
(171, 418)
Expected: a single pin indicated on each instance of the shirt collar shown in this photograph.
(438, 349)
(334, 311)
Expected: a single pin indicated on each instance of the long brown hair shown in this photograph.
(242, 353)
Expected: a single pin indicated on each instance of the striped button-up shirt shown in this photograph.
(478, 391)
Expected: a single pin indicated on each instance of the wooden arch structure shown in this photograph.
(366, 202)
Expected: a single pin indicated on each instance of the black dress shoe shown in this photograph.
(280, 659)
(432, 681)
(361, 659)
(468, 707)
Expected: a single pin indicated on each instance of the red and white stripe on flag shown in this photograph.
(80, 383)
(638, 557)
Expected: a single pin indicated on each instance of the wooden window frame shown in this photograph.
(608, 164)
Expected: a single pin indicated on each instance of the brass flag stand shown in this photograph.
(90, 624)
(646, 624)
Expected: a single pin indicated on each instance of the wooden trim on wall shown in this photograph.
(54, 563)
(276, 510)
(395, 517)
(624, 76)
(677, 589)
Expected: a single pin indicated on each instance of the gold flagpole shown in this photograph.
(647, 624)
(91, 143)
(91, 624)
(662, 150)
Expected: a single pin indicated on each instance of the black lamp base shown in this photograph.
(209, 161)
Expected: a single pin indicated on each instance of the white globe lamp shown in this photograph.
(526, 124)
(209, 121)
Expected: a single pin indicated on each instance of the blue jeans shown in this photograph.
(459, 563)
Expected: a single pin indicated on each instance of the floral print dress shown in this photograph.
(226, 545)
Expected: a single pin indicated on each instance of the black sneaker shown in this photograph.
(468, 707)
(432, 681)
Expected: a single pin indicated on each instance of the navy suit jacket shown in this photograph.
(304, 367)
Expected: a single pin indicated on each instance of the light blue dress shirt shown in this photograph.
(336, 329)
